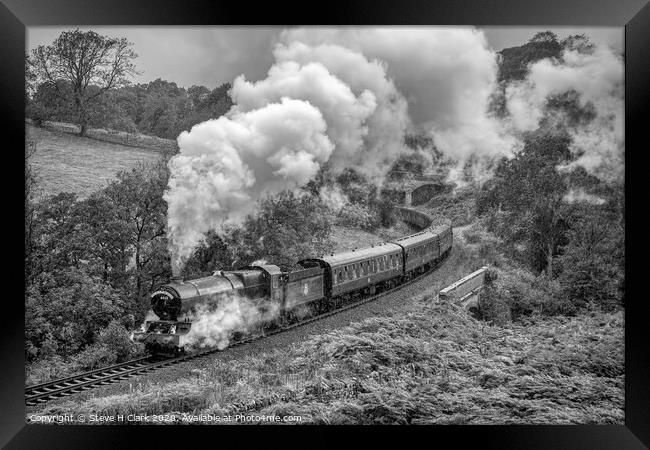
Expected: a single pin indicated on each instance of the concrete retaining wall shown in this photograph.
(465, 292)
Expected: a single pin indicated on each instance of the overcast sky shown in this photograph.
(211, 56)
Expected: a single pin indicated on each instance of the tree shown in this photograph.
(51, 102)
(579, 43)
(287, 228)
(198, 94)
(592, 265)
(30, 78)
(528, 191)
(68, 313)
(210, 255)
(90, 63)
(30, 186)
(544, 36)
(137, 201)
(160, 117)
(56, 243)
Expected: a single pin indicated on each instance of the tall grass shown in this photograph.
(432, 365)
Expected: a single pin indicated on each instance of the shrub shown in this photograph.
(117, 340)
(113, 345)
(355, 215)
(384, 212)
(38, 113)
(471, 236)
(123, 124)
(516, 294)
(589, 278)
(74, 308)
(94, 356)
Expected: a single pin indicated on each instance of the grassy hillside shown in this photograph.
(431, 363)
(434, 365)
(64, 162)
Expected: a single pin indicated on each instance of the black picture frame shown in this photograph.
(16, 15)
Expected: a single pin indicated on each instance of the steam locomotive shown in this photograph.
(320, 284)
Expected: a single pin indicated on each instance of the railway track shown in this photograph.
(50, 390)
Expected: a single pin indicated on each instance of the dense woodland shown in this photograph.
(90, 263)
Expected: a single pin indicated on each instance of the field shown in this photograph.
(64, 162)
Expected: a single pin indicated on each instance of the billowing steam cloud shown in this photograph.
(597, 77)
(345, 97)
(446, 74)
(317, 104)
(226, 164)
(333, 197)
(581, 196)
(389, 119)
(215, 328)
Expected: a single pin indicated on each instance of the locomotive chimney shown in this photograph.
(177, 279)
